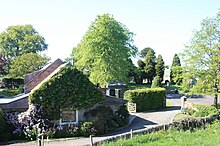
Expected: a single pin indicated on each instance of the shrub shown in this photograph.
(147, 99)
(87, 128)
(4, 133)
(13, 83)
(66, 131)
(105, 120)
(203, 111)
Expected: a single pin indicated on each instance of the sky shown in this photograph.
(164, 25)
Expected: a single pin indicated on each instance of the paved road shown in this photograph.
(141, 121)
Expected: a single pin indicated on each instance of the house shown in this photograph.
(34, 80)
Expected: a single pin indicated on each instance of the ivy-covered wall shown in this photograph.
(68, 89)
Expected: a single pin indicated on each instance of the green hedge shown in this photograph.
(147, 99)
(4, 132)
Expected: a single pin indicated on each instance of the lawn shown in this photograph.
(138, 86)
(207, 136)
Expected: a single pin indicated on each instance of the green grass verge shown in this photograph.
(207, 136)
(168, 103)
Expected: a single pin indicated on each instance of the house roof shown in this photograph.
(111, 100)
(12, 99)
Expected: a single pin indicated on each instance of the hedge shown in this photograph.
(4, 132)
(147, 99)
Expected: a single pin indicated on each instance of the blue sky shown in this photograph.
(164, 25)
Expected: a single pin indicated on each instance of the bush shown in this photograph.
(87, 128)
(147, 99)
(4, 133)
(105, 120)
(203, 111)
(66, 131)
(13, 83)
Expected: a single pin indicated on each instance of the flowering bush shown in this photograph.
(29, 123)
(66, 131)
(87, 129)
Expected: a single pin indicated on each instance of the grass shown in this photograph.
(171, 137)
(180, 116)
(138, 86)
(168, 103)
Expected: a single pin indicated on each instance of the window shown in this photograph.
(69, 117)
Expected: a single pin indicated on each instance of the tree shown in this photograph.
(145, 51)
(176, 70)
(105, 51)
(159, 67)
(156, 82)
(20, 39)
(201, 56)
(27, 63)
(150, 66)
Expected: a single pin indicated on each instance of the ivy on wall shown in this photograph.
(68, 89)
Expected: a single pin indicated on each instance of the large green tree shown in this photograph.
(160, 67)
(176, 70)
(202, 56)
(18, 40)
(27, 63)
(150, 66)
(105, 51)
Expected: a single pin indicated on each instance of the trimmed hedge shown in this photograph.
(147, 99)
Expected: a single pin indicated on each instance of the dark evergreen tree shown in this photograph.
(160, 67)
(144, 52)
(176, 71)
(150, 66)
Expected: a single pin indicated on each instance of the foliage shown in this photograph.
(4, 131)
(176, 70)
(156, 82)
(201, 56)
(68, 89)
(27, 63)
(18, 40)
(66, 131)
(149, 68)
(159, 67)
(105, 120)
(147, 99)
(10, 93)
(203, 111)
(172, 137)
(144, 52)
(87, 128)
(105, 51)
(13, 83)
(141, 64)
(29, 123)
